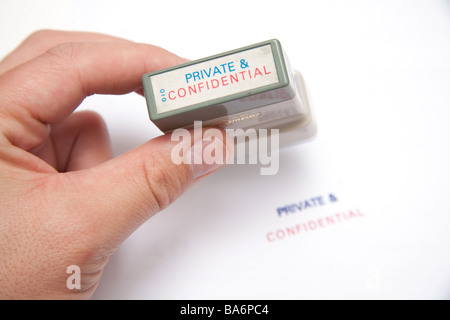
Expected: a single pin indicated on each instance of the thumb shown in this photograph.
(121, 194)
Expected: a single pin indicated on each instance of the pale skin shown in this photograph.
(64, 199)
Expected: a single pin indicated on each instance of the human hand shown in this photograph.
(63, 199)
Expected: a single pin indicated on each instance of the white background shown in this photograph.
(379, 78)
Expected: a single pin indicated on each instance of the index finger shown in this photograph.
(47, 89)
(41, 41)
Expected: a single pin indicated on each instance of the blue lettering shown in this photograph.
(210, 72)
(196, 75)
(304, 205)
(207, 74)
(281, 210)
(332, 198)
(216, 70)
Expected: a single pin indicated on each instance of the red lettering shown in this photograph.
(217, 83)
(232, 78)
(182, 90)
(192, 90)
(290, 231)
(330, 220)
(257, 72)
(224, 81)
(200, 87)
(312, 225)
(174, 96)
(265, 71)
(280, 234)
(320, 222)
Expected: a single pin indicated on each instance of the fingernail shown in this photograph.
(209, 156)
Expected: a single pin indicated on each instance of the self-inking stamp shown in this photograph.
(250, 87)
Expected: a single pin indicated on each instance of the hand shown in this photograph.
(63, 199)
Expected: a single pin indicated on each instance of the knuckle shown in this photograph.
(67, 56)
(165, 180)
(92, 119)
(40, 36)
(64, 51)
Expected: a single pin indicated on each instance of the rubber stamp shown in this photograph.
(250, 87)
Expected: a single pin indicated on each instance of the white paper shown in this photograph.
(379, 77)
